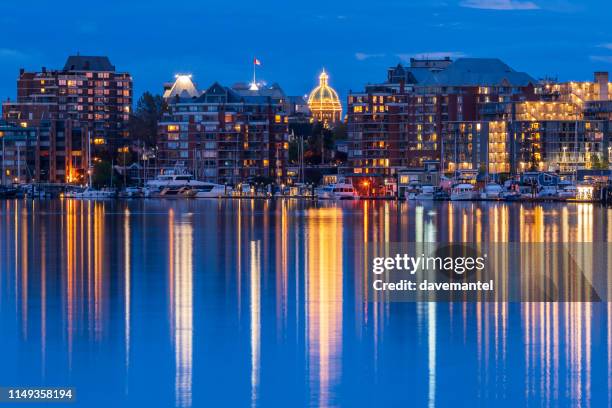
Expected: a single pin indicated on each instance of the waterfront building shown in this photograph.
(568, 129)
(472, 145)
(227, 134)
(88, 95)
(324, 102)
(50, 152)
(399, 124)
(17, 146)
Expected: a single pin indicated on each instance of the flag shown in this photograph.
(256, 61)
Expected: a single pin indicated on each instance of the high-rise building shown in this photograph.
(85, 100)
(225, 134)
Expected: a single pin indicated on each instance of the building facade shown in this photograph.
(227, 135)
(399, 124)
(567, 129)
(88, 99)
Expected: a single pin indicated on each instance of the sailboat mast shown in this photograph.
(89, 166)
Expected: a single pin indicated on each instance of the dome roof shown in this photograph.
(324, 97)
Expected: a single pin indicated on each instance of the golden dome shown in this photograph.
(324, 102)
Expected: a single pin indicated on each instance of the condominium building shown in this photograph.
(399, 123)
(569, 128)
(225, 134)
(89, 95)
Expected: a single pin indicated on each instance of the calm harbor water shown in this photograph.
(261, 303)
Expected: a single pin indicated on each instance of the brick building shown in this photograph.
(224, 134)
(399, 124)
(85, 100)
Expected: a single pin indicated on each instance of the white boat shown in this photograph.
(567, 191)
(209, 190)
(492, 191)
(173, 183)
(92, 193)
(425, 192)
(463, 192)
(337, 191)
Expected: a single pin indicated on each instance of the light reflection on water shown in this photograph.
(194, 303)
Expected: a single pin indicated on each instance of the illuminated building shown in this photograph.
(51, 151)
(568, 129)
(476, 146)
(86, 95)
(227, 135)
(324, 102)
(399, 124)
(182, 87)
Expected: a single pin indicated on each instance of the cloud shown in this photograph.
(601, 58)
(11, 53)
(500, 4)
(432, 55)
(606, 46)
(363, 56)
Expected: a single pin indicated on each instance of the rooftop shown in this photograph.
(476, 72)
(85, 63)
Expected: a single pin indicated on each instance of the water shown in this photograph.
(254, 303)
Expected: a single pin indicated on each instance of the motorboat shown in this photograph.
(567, 191)
(175, 182)
(425, 192)
(209, 190)
(492, 191)
(93, 193)
(337, 191)
(463, 192)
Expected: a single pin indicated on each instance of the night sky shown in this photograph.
(354, 40)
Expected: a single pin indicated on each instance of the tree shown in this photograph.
(101, 176)
(143, 123)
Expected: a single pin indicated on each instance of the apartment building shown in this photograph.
(87, 96)
(225, 134)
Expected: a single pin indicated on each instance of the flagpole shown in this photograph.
(254, 80)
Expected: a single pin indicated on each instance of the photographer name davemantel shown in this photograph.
(404, 263)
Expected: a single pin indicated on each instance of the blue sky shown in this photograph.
(354, 40)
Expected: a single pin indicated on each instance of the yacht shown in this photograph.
(492, 191)
(337, 191)
(463, 192)
(173, 183)
(566, 190)
(209, 190)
